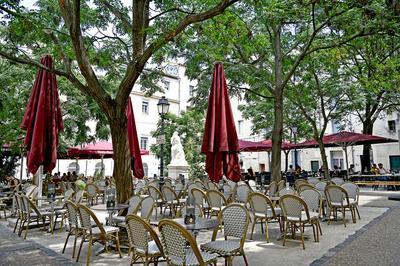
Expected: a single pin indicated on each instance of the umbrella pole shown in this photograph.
(39, 176)
(76, 165)
(22, 167)
(347, 162)
(102, 166)
(86, 167)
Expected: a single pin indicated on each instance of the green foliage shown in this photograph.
(190, 126)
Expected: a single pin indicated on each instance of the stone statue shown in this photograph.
(177, 153)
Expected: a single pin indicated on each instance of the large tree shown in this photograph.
(101, 47)
(263, 43)
(320, 94)
(373, 64)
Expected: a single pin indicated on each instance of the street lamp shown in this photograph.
(163, 107)
(294, 131)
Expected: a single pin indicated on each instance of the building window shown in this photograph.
(191, 90)
(145, 107)
(167, 85)
(240, 127)
(392, 125)
(143, 143)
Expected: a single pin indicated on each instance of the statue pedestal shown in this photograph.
(175, 170)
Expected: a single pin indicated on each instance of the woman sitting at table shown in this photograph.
(374, 170)
(13, 183)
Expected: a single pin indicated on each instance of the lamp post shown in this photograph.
(294, 131)
(163, 107)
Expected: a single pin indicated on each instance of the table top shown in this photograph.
(200, 224)
(103, 207)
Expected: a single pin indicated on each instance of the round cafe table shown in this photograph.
(200, 224)
(51, 200)
(110, 210)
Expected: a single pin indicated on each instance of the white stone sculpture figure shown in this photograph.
(177, 153)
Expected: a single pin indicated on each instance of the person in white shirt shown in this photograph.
(381, 169)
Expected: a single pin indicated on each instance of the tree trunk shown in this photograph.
(122, 162)
(368, 127)
(277, 139)
(323, 157)
(278, 106)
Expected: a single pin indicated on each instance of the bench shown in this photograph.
(377, 183)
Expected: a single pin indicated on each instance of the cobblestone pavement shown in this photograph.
(375, 244)
(15, 251)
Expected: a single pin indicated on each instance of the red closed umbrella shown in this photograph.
(220, 141)
(136, 159)
(43, 120)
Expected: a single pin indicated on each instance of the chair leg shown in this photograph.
(252, 229)
(76, 239)
(302, 236)
(313, 229)
(80, 247)
(245, 259)
(266, 230)
(89, 251)
(344, 216)
(358, 213)
(16, 223)
(66, 241)
(118, 245)
(285, 232)
(27, 228)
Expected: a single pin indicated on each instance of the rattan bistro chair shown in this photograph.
(235, 221)
(92, 193)
(73, 221)
(146, 207)
(180, 248)
(201, 199)
(338, 200)
(100, 233)
(31, 213)
(263, 211)
(296, 215)
(354, 193)
(217, 201)
(171, 200)
(134, 205)
(157, 196)
(143, 240)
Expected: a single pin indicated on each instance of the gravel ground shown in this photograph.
(14, 251)
(375, 244)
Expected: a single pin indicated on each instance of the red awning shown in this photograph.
(43, 120)
(345, 138)
(264, 145)
(220, 141)
(95, 151)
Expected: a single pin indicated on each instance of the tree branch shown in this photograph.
(118, 14)
(136, 67)
(71, 14)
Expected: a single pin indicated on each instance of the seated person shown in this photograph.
(374, 170)
(382, 171)
(290, 170)
(80, 183)
(336, 170)
(351, 170)
(12, 182)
